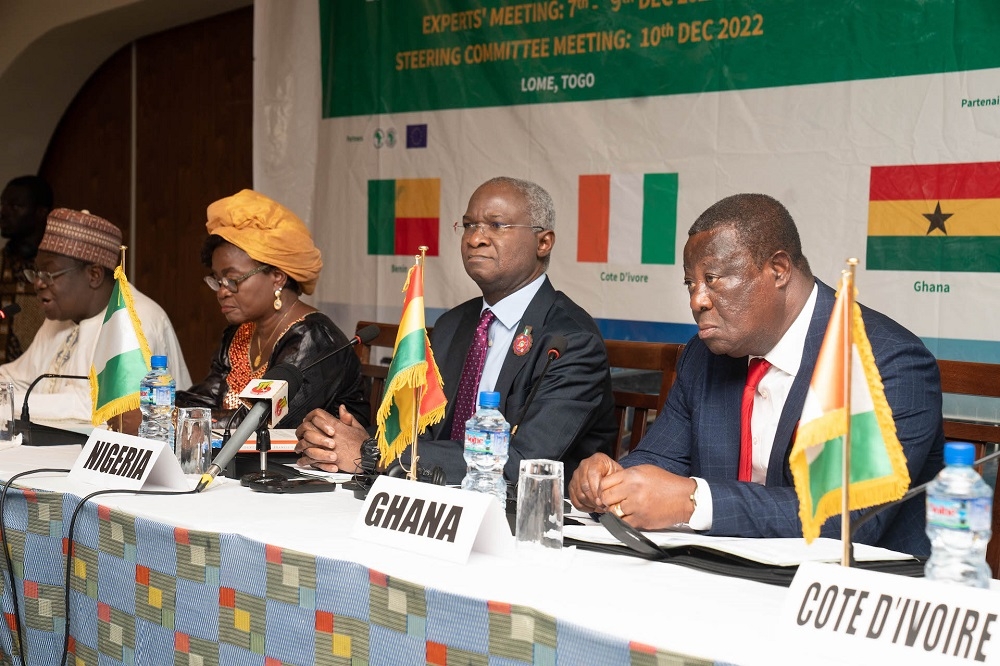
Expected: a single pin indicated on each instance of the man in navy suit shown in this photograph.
(752, 295)
(507, 235)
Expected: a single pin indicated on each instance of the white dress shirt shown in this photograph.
(785, 358)
(508, 312)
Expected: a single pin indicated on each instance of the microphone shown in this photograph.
(556, 349)
(257, 416)
(910, 494)
(362, 337)
(9, 310)
(47, 375)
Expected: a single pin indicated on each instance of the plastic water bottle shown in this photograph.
(156, 401)
(487, 437)
(959, 508)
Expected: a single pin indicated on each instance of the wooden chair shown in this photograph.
(375, 372)
(977, 379)
(651, 356)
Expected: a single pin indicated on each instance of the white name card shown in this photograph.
(116, 460)
(446, 523)
(835, 614)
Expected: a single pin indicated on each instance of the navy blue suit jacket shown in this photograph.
(572, 416)
(698, 434)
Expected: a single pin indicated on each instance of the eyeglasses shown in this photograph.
(491, 229)
(45, 277)
(232, 285)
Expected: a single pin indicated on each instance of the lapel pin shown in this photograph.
(522, 343)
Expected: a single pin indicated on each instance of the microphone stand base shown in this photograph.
(262, 476)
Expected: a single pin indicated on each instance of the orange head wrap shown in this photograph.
(269, 233)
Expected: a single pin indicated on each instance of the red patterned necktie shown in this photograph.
(758, 368)
(472, 372)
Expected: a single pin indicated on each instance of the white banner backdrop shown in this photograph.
(810, 146)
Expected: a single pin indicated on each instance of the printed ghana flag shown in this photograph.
(878, 466)
(412, 366)
(935, 217)
(404, 214)
(627, 218)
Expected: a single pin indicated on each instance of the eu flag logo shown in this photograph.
(416, 136)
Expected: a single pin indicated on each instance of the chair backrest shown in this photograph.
(978, 379)
(647, 356)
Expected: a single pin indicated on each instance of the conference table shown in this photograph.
(231, 576)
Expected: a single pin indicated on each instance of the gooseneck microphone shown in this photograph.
(556, 349)
(362, 337)
(9, 310)
(254, 419)
(48, 375)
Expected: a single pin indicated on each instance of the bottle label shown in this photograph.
(958, 514)
(493, 443)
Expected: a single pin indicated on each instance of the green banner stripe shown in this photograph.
(659, 218)
(964, 254)
(419, 55)
(120, 377)
(381, 216)
(869, 459)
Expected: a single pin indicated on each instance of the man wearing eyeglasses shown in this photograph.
(499, 342)
(73, 277)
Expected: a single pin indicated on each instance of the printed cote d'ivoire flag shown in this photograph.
(935, 217)
(404, 214)
(878, 471)
(627, 218)
(412, 366)
(121, 357)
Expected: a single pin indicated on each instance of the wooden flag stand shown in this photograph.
(418, 394)
(845, 514)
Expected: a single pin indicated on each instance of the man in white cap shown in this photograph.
(73, 279)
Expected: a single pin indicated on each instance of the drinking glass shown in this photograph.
(6, 412)
(194, 439)
(540, 504)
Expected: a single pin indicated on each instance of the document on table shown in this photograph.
(282, 440)
(773, 552)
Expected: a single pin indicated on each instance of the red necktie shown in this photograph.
(472, 372)
(758, 368)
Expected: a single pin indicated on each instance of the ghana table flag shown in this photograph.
(878, 466)
(935, 217)
(121, 357)
(627, 218)
(412, 367)
(404, 214)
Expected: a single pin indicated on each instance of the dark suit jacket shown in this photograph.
(572, 415)
(698, 434)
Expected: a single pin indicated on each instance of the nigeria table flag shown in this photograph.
(412, 373)
(878, 471)
(121, 357)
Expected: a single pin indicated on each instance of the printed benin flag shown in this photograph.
(935, 217)
(412, 366)
(403, 215)
(627, 218)
(878, 465)
(121, 357)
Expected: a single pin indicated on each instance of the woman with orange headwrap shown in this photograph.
(262, 257)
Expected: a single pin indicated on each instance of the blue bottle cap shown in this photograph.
(158, 361)
(959, 453)
(489, 399)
